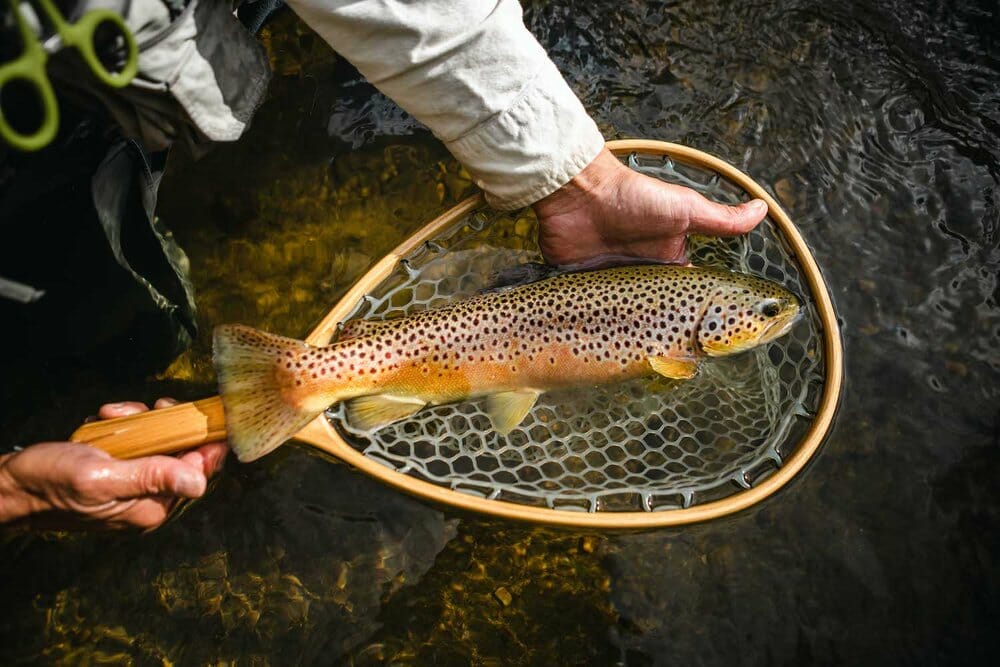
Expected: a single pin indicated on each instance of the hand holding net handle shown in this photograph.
(166, 431)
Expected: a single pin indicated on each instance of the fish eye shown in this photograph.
(770, 308)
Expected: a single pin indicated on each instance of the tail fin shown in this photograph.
(258, 416)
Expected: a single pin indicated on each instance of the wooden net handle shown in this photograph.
(166, 431)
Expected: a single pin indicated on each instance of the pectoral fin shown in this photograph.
(507, 409)
(373, 412)
(677, 369)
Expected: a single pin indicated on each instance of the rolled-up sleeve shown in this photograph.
(471, 72)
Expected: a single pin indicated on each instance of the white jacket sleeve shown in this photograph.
(471, 72)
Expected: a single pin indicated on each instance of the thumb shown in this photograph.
(154, 476)
(708, 217)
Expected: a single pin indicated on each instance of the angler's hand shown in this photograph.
(609, 209)
(69, 485)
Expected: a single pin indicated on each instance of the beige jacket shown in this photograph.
(471, 72)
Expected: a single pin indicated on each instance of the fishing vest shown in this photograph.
(201, 76)
(79, 236)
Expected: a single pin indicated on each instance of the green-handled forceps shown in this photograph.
(29, 67)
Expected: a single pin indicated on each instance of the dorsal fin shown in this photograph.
(521, 274)
(533, 272)
(355, 328)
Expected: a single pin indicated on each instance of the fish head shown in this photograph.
(744, 312)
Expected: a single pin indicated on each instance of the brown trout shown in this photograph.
(509, 346)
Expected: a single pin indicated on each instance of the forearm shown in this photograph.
(473, 73)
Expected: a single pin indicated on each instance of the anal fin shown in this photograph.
(373, 412)
(676, 369)
(507, 409)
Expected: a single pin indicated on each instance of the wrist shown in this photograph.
(16, 502)
(603, 173)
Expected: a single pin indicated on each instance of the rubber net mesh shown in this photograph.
(649, 444)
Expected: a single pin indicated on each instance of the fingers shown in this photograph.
(207, 458)
(123, 409)
(185, 476)
(149, 476)
(126, 408)
(146, 514)
(708, 217)
(154, 486)
(72, 485)
(152, 482)
(214, 454)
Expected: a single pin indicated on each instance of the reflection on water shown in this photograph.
(876, 124)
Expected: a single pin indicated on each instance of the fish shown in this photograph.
(509, 346)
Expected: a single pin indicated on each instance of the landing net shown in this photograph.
(646, 445)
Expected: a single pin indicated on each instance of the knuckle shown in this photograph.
(734, 212)
(150, 479)
(691, 200)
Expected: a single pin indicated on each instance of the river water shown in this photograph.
(877, 124)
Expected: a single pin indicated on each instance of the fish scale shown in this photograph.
(509, 345)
